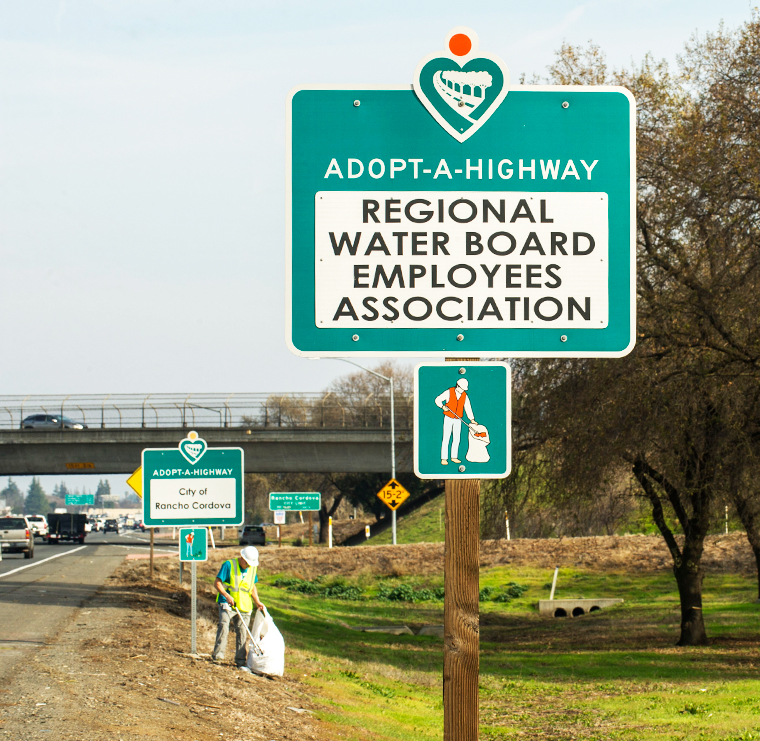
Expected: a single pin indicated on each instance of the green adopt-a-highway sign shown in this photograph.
(462, 420)
(295, 501)
(192, 484)
(460, 216)
(80, 499)
(193, 544)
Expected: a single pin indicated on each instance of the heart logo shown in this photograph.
(192, 447)
(460, 88)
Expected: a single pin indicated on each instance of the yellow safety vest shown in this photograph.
(239, 586)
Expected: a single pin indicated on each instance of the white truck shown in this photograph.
(16, 536)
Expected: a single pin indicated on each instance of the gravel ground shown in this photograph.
(120, 672)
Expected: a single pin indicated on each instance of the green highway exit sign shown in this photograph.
(80, 499)
(295, 501)
(192, 484)
(460, 216)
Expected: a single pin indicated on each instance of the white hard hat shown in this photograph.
(462, 383)
(251, 555)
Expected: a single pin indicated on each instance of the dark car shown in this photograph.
(112, 526)
(51, 421)
(253, 535)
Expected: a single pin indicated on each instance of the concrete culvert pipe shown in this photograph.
(560, 612)
(578, 611)
(595, 608)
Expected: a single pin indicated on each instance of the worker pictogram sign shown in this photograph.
(393, 495)
(462, 421)
(193, 544)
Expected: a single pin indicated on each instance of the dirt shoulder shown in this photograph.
(120, 670)
(723, 553)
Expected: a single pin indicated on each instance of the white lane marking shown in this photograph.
(37, 563)
(142, 548)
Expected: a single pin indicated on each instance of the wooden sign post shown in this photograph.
(450, 444)
(461, 661)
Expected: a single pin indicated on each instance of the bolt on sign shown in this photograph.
(192, 484)
(193, 544)
(393, 494)
(462, 421)
(459, 215)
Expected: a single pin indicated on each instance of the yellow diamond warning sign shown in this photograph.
(393, 494)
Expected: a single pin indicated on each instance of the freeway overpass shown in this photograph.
(278, 432)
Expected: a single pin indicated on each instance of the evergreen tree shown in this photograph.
(102, 492)
(13, 496)
(36, 500)
(61, 490)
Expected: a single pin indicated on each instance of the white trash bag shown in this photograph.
(478, 440)
(267, 654)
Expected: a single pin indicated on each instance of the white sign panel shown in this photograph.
(192, 497)
(279, 517)
(461, 259)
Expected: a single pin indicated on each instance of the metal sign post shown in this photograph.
(193, 547)
(193, 607)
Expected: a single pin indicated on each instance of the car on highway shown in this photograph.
(95, 524)
(253, 535)
(16, 536)
(39, 525)
(51, 422)
(112, 526)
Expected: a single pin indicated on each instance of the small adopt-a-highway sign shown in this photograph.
(193, 544)
(192, 484)
(295, 501)
(393, 494)
(489, 221)
(462, 414)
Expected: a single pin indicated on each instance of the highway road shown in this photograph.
(39, 596)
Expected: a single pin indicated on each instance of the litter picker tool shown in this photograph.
(254, 646)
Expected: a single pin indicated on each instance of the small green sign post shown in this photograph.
(80, 500)
(295, 501)
(462, 418)
(193, 544)
(192, 484)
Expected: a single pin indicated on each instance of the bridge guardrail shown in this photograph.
(313, 410)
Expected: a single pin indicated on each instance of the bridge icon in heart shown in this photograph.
(461, 88)
(193, 447)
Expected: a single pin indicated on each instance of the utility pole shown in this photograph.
(393, 430)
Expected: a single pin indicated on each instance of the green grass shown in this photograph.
(615, 674)
(425, 525)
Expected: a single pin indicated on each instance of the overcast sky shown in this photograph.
(142, 167)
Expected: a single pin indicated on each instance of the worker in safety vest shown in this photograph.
(455, 404)
(236, 585)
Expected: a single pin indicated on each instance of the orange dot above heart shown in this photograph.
(460, 44)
